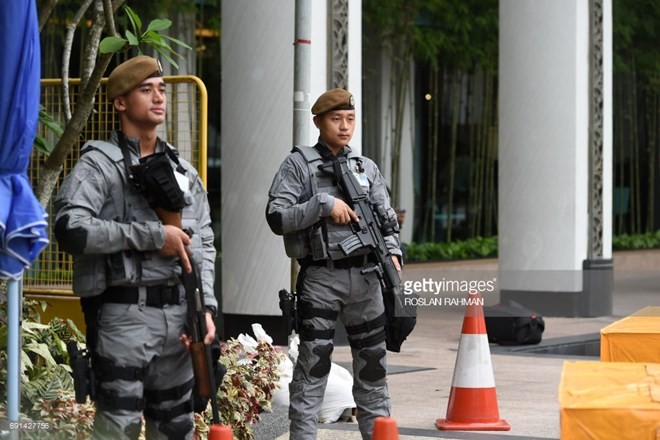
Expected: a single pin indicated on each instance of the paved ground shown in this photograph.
(421, 376)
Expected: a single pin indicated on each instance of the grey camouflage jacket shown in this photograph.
(112, 233)
(293, 207)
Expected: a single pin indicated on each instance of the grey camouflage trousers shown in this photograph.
(144, 338)
(358, 299)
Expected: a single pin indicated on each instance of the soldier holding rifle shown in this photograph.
(132, 266)
(311, 209)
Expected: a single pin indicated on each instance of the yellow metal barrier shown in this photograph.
(49, 278)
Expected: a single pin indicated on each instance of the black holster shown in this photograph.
(81, 361)
(289, 307)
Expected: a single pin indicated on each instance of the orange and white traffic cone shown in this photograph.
(220, 432)
(473, 399)
(385, 429)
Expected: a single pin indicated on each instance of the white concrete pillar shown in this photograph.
(544, 161)
(257, 134)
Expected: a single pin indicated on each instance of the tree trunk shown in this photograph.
(45, 9)
(66, 56)
(53, 164)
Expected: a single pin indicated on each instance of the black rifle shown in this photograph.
(370, 232)
(200, 352)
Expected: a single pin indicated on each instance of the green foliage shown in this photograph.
(478, 247)
(43, 144)
(47, 392)
(463, 34)
(136, 38)
(650, 240)
(636, 38)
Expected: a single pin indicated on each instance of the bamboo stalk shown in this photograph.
(621, 149)
(433, 163)
(428, 220)
(485, 184)
(635, 154)
(491, 195)
(455, 105)
(651, 121)
(473, 188)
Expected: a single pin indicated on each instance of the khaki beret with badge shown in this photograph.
(130, 74)
(335, 99)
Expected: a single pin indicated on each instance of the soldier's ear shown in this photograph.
(317, 120)
(119, 103)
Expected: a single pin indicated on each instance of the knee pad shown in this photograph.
(322, 366)
(176, 430)
(372, 371)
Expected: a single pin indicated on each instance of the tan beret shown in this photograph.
(129, 74)
(335, 99)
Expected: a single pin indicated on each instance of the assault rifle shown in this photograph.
(154, 177)
(370, 232)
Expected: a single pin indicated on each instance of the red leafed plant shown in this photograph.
(247, 388)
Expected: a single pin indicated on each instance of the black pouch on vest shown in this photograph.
(509, 323)
(155, 178)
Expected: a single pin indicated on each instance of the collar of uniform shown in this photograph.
(134, 143)
(324, 150)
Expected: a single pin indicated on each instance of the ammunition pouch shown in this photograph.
(155, 179)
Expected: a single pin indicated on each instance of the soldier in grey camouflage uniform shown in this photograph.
(306, 206)
(127, 266)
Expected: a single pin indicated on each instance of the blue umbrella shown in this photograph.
(22, 219)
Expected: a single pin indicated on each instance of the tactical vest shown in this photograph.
(94, 273)
(323, 238)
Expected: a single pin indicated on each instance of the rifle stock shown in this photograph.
(200, 353)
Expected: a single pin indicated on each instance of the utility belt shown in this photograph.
(157, 296)
(344, 263)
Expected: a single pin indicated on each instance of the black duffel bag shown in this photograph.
(509, 323)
